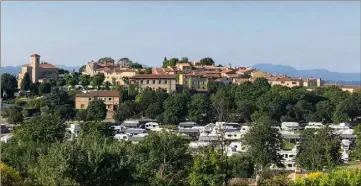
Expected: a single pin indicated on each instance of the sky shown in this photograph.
(304, 35)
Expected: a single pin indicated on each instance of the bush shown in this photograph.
(9, 176)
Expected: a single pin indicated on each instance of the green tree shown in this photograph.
(302, 110)
(176, 108)
(84, 80)
(55, 99)
(154, 110)
(96, 110)
(324, 110)
(199, 109)
(184, 60)
(9, 85)
(148, 71)
(135, 65)
(207, 61)
(241, 166)
(356, 152)
(126, 110)
(34, 88)
(172, 62)
(107, 85)
(25, 82)
(65, 112)
(44, 88)
(245, 108)
(90, 160)
(207, 169)
(41, 129)
(106, 59)
(9, 176)
(61, 82)
(14, 115)
(222, 104)
(264, 143)
(318, 148)
(98, 80)
(80, 114)
(161, 159)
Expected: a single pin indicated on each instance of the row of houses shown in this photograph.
(190, 75)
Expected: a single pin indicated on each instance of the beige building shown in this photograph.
(36, 70)
(288, 82)
(116, 76)
(311, 82)
(184, 67)
(193, 81)
(155, 82)
(111, 99)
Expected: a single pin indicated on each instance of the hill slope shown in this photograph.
(344, 78)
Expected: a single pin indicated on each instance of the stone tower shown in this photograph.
(35, 64)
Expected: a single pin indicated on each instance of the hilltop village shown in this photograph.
(186, 123)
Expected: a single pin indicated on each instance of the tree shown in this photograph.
(245, 108)
(199, 109)
(65, 112)
(84, 80)
(34, 88)
(14, 115)
(154, 110)
(9, 85)
(207, 169)
(96, 111)
(172, 62)
(175, 108)
(55, 99)
(207, 61)
(184, 60)
(44, 88)
(135, 65)
(25, 82)
(222, 104)
(324, 110)
(241, 166)
(264, 143)
(63, 71)
(9, 176)
(82, 69)
(260, 86)
(61, 82)
(148, 71)
(107, 85)
(318, 148)
(98, 80)
(81, 115)
(106, 59)
(302, 110)
(126, 110)
(89, 160)
(41, 129)
(161, 159)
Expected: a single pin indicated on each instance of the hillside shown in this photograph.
(331, 77)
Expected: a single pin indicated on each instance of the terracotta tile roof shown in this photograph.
(35, 55)
(232, 75)
(106, 93)
(153, 76)
(123, 70)
(286, 79)
(48, 66)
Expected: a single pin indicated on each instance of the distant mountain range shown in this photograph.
(330, 77)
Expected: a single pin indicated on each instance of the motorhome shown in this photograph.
(151, 125)
(290, 126)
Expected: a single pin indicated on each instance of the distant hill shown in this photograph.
(14, 70)
(330, 77)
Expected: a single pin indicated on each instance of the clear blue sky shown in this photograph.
(304, 35)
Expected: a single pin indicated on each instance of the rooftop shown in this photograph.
(153, 76)
(106, 93)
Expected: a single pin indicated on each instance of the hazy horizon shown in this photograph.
(303, 35)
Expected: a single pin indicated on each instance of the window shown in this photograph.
(165, 81)
(109, 99)
(282, 82)
(153, 81)
(82, 106)
(90, 99)
(291, 156)
(289, 165)
(293, 83)
(147, 81)
(141, 81)
(159, 81)
(185, 82)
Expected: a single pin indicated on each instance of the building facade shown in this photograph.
(193, 81)
(111, 99)
(36, 70)
(163, 82)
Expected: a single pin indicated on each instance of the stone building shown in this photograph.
(36, 70)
